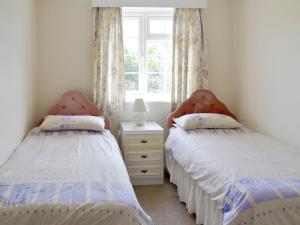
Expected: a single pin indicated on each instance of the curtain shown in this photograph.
(109, 75)
(190, 66)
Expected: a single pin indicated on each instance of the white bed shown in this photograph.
(68, 177)
(233, 176)
(204, 164)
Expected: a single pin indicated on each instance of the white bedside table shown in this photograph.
(143, 153)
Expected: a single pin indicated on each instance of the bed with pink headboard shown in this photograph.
(75, 103)
(201, 101)
(78, 176)
(218, 171)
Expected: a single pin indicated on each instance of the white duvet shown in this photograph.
(249, 174)
(68, 177)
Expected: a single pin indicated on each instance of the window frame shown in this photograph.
(144, 16)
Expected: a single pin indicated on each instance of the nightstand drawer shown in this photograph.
(145, 171)
(144, 156)
(143, 141)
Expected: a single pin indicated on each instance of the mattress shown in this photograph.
(68, 177)
(251, 178)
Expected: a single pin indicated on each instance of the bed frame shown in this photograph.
(75, 103)
(201, 101)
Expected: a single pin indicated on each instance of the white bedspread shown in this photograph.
(68, 177)
(249, 174)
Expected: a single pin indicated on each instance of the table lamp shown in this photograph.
(139, 109)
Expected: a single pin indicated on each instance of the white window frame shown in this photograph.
(144, 15)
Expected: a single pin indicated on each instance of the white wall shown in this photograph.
(17, 72)
(218, 21)
(64, 49)
(266, 60)
(65, 53)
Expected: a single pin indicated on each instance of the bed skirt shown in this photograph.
(197, 201)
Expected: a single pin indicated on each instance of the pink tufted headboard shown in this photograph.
(75, 103)
(201, 101)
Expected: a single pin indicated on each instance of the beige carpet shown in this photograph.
(162, 204)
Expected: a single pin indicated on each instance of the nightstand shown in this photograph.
(143, 153)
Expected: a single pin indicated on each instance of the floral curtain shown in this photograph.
(109, 75)
(190, 66)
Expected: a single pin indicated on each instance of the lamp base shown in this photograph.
(139, 118)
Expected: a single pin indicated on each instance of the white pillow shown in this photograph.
(206, 120)
(91, 123)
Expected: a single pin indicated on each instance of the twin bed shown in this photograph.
(73, 177)
(225, 176)
(232, 176)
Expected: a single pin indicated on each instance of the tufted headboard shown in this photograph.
(75, 103)
(201, 101)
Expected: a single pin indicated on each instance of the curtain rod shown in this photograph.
(151, 3)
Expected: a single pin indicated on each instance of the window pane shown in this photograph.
(131, 27)
(157, 27)
(159, 56)
(159, 66)
(131, 54)
(132, 81)
(155, 64)
(160, 26)
(155, 82)
(131, 64)
(168, 82)
(159, 83)
(169, 26)
(131, 46)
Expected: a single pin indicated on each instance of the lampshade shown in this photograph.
(140, 106)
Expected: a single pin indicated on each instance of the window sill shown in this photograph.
(163, 98)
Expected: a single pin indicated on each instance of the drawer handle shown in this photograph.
(144, 171)
(144, 156)
(144, 141)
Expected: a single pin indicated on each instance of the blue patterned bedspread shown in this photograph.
(69, 193)
(250, 192)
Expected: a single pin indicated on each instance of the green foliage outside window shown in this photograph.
(131, 71)
(158, 65)
(158, 53)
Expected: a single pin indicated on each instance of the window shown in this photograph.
(148, 53)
